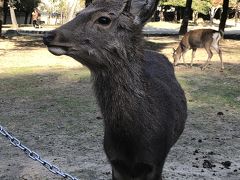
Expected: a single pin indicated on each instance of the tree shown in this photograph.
(200, 6)
(27, 6)
(1, 15)
(237, 12)
(12, 7)
(224, 15)
(63, 7)
(72, 10)
(184, 26)
(5, 11)
(53, 8)
(175, 3)
(215, 5)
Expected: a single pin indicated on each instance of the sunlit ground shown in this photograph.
(48, 103)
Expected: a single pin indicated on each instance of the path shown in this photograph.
(151, 29)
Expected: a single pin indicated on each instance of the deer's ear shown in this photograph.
(174, 50)
(143, 10)
(127, 5)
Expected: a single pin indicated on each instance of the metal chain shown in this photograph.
(33, 155)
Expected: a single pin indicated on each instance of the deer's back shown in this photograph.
(165, 91)
(199, 37)
(160, 71)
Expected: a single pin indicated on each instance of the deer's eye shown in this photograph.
(104, 20)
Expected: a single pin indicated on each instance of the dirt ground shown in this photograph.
(47, 103)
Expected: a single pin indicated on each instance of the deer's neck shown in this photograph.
(119, 88)
(180, 48)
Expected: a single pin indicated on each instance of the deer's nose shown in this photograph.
(49, 37)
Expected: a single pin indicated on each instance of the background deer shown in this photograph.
(199, 38)
(143, 106)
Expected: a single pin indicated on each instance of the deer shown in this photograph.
(199, 38)
(143, 106)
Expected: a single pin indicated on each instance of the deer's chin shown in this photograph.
(58, 51)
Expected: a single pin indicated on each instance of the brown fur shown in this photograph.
(200, 38)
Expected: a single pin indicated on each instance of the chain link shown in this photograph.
(33, 155)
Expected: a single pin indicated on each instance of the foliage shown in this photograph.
(232, 3)
(224, 15)
(62, 6)
(216, 3)
(60, 9)
(53, 6)
(181, 3)
(201, 6)
(184, 25)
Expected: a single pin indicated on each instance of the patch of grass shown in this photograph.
(31, 82)
(82, 74)
(211, 89)
(52, 94)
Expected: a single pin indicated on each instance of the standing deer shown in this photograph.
(199, 38)
(143, 106)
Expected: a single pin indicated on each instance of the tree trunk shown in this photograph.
(162, 14)
(1, 16)
(26, 17)
(212, 13)
(224, 15)
(61, 14)
(236, 17)
(195, 17)
(5, 12)
(13, 17)
(72, 9)
(175, 15)
(178, 13)
(56, 20)
(184, 26)
(237, 13)
(30, 19)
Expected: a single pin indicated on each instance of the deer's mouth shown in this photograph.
(58, 50)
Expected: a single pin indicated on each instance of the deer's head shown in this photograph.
(176, 56)
(105, 29)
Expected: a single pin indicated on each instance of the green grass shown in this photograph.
(210, 89)
(30, 83)
(52, 92)
(55, 92)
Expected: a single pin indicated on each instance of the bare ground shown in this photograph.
(47, 102)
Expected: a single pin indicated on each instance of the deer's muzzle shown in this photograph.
(56, 43)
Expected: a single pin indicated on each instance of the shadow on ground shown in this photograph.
(55, 113)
